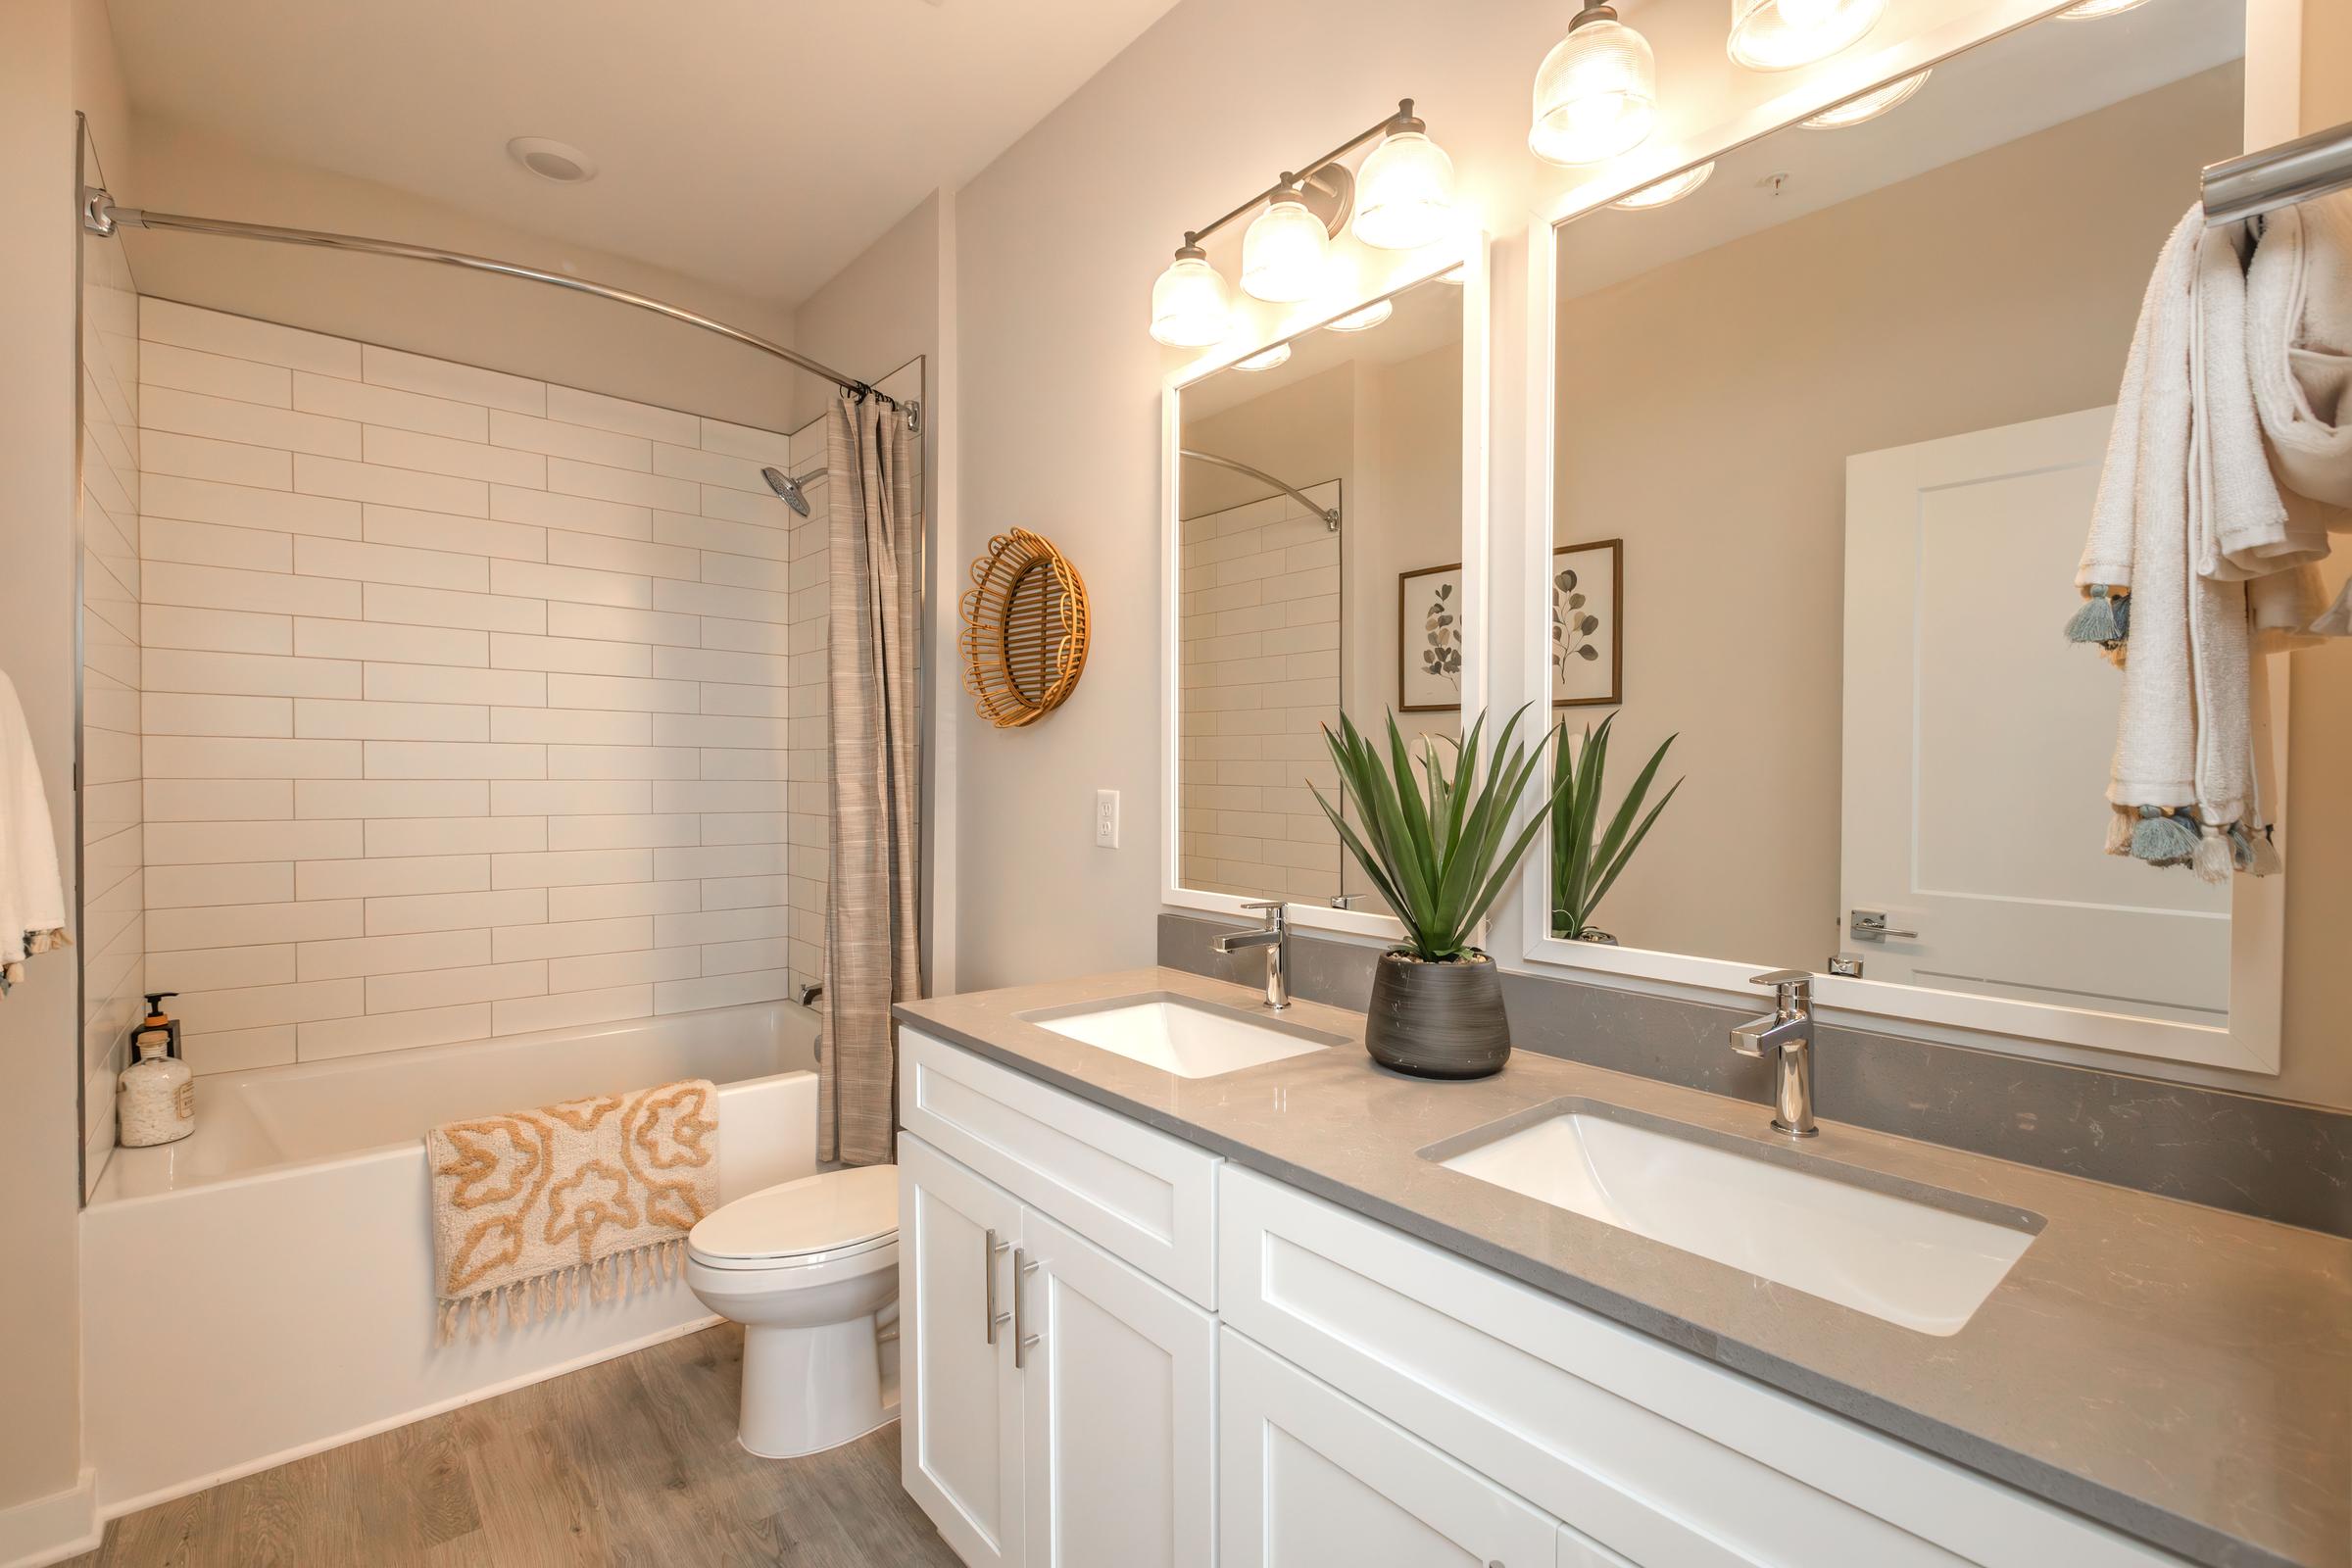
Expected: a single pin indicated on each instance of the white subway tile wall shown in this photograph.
(475, 704)
(111, 928)
(1261, 664)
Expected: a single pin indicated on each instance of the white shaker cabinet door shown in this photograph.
(960, 1439)
(1118, 1376)
(1310, 1478)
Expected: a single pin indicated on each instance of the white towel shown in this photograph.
(2299, 342)
(32, 898)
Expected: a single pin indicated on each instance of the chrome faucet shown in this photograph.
(1784, 1034)
(1275, 938)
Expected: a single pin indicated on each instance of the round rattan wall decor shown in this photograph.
(1025, 630)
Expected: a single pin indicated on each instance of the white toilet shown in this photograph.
(804, 1267)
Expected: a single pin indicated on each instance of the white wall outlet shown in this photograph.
(1106, 819)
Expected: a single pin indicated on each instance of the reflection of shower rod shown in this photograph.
(1328, 515)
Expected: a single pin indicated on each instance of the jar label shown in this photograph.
(183, 1100)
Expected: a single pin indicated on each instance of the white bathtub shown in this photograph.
(262, 1289)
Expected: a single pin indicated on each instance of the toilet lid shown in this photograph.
(829, 1212)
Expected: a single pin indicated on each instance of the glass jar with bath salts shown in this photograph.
(155, 1098)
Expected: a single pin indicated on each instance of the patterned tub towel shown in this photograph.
(535, 1209)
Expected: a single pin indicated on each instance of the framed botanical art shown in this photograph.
(1430, 638)
(1588, 624)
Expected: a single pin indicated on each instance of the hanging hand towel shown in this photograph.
(2299, 345)
(593, 1196)
(32, 897)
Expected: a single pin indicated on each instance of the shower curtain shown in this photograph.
(870, 937)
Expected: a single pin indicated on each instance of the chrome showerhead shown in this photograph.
(785, 485)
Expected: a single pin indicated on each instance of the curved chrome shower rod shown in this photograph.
(1328, 515)
(100, 216)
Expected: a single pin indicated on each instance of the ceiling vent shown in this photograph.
(555, 161)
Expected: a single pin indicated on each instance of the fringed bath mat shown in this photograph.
(591, 1197)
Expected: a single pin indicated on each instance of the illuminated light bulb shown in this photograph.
(1783, 34)
(1190, 306)
(1673, 188)
(1279, 354)
(1869, 106)
(1596, 93)
(1363, 320)
(1405, 191)
(1284, 250)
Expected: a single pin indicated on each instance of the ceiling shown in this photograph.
(758, 144)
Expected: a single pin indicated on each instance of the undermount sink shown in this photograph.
(1180, 1035)
(1913, 1255)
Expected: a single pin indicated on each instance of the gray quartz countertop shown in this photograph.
(2178, 1373)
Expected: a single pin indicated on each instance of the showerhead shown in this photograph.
(785, 485)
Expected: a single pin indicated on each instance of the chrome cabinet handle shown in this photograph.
(988, 1270)
(1022, 1341)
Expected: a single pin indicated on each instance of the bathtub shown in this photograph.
(262, 1289)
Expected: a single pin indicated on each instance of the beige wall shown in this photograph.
(1707, 411)
(523, 328)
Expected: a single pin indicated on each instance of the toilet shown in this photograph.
(805, 1267)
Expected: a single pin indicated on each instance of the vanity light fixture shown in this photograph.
(1868, 106)
(1596, 93)
(1401, 199)
(1190, 306)
(1405, 191)
(2092, 10)
(1783, 34)
(1279, 354)
(1673, 188)
(1284, 249)
(1363, 320)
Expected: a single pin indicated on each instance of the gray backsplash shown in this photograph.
(2266, 1157)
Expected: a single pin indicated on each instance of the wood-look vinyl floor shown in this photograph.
(628, 1463)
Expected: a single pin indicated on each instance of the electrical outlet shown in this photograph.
(1106, 819)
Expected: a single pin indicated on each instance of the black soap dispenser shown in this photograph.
(158, 1023)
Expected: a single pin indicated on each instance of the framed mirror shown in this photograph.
(1826, 416)
(1323, 528)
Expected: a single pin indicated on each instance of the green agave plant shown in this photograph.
(1585, 866)
(1438, 849)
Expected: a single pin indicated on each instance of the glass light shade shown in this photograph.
(1190, 306)
(1363, 320)
(1279, 354)
(1783, 34)
(2092, 10)
(1869, 106)
(1673, 188)
(1283, 252)
(1596, 95)
(1404, 192)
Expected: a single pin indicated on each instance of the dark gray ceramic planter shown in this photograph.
(1438, 1020)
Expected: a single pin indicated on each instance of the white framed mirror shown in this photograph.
(1813, 450)
(1323, 539)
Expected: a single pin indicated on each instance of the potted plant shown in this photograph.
(1585, 858)
(1438, 849)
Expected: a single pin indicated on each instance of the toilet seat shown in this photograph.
(830, 1217)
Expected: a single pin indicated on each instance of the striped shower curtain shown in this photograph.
(870, 936)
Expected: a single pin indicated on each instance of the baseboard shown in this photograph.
(130, 1505)
(46, 1529)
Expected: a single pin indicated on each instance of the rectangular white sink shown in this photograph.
(1910, 1254)
(1181, 1036)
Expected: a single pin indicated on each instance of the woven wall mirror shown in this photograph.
(1025, 630)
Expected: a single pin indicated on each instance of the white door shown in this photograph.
(959, 1437)
(1978, 740)
(1120, 1383)
(1308, 1478)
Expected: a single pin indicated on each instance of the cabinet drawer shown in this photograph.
(1652, 1453)
(1143, 1196)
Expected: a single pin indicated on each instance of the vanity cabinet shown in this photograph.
(1056, 1403)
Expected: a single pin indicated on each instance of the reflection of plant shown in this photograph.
(1438, 849)
(1441, 626)
(1572, 625)
(1583, 866)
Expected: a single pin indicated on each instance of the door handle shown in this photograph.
(988, 1270)
(1874, 925)
(1023, 1266)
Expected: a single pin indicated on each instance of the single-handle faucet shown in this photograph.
(1784, 1034)
(1275, 938)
